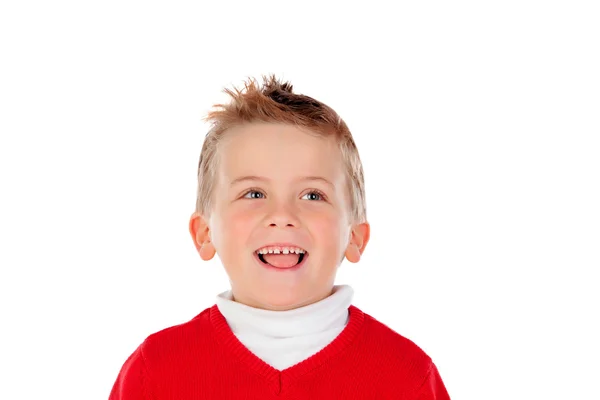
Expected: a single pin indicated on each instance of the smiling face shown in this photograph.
(276, 183)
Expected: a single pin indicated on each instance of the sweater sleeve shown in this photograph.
(433, 387)
(133, 381)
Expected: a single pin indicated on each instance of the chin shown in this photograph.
(281, 303)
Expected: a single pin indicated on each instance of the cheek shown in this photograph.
(326, 228)
(235, 226)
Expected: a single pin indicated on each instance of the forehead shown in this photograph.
(278, 151)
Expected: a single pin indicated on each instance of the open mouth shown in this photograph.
(287, 259)
(287, 263)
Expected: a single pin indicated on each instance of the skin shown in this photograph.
(281, 207)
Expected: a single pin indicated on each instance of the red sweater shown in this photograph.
(202, 359)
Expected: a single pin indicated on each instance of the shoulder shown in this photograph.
(164, 356)
(176, 342)
(396, 357)
(394, 344)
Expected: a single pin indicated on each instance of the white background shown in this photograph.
(478, 126)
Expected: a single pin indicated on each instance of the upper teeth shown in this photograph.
(279, 250)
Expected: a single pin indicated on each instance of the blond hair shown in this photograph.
(275, 102)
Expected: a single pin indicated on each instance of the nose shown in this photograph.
(282, 216)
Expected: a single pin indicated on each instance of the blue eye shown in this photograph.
(314, 195)
(253, 193)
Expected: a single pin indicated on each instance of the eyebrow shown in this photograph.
(263, 179)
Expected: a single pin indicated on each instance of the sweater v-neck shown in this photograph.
(278, 380)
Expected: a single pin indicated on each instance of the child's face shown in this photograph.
(276, 206)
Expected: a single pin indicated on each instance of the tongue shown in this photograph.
(282, 260)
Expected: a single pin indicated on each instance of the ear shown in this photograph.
(359, 237)
(200, 232)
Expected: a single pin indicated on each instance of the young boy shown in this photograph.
(281, 201)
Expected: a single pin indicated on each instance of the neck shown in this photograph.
(283, 338)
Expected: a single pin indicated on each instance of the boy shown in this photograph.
(281, 201)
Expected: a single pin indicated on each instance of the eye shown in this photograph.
(315, 195)
(254, 194)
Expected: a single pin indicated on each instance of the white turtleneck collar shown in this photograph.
(285, 338)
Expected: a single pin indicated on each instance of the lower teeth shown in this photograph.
(261, 258)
